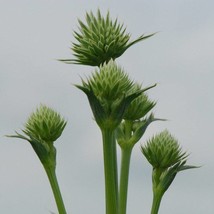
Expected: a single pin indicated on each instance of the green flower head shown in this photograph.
(43, 127)
(165, 155)
(163, 151)
(110, 82)
(99, 40)
(44, 124)
(139, 107)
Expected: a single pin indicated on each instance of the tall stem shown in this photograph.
(55, 188)
(110, 170)
(124, 179)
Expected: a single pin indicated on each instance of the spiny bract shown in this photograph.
(163, 151)
(140, 106)
(99, 40)
(44, 124)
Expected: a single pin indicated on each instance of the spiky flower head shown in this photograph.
(139, 107)
(43, 127)
(163, 151)
(45, 124)
(165, 155)
(110, 82)
(99, 40)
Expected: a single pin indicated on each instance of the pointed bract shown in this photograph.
(140, 106)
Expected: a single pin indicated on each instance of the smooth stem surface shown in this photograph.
(124, 179)
(55, 188)
(110, 170)
(156, 202)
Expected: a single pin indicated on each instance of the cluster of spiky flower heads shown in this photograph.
(100, 39)
(140, 106)
(163, 151)
(109, 92)
(45, 124)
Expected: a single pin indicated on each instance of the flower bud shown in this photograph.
(43, 127)
(44, 124)
(163, 151)
(99, 40)
(139, 107)
(110, 82)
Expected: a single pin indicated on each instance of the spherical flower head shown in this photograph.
(163, 151)
(110, 83)
(139, 107)
(99, 40)
(44, 124)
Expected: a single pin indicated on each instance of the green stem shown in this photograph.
(55, 188)
(110, 170)
(157, 190)
(124, 179)
(156, 202)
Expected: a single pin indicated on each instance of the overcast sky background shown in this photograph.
(179, 58)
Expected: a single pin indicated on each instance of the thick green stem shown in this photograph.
(55, 188)
(110, 170)
(124, 179)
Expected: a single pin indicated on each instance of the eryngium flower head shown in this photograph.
(139, 107)
(44, 124)
(110, 83)
(163, 151)
(99, 40)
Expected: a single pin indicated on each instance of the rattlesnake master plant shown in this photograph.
(120, 108)
(43, 127)
(99, 40)
(109, 91)
(167, 158)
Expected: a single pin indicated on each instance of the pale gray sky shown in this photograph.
(179, 58)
